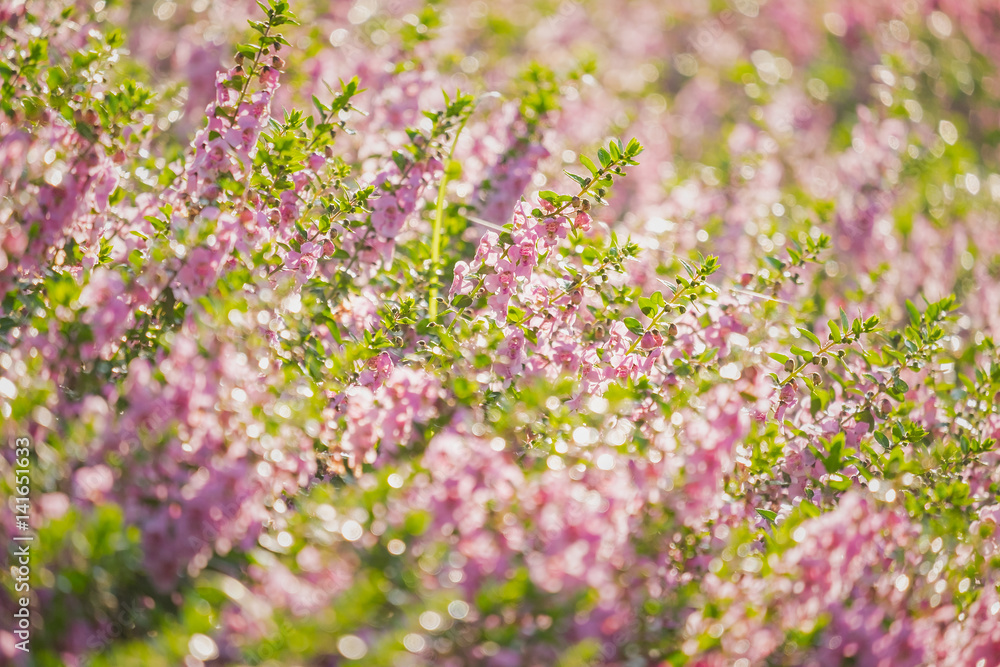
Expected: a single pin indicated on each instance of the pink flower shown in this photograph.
(555, 228)
(107, 181)
(289, 207)
(269, 77)
(488, 252)
(377, 370)
(510, 353)
(651, 340)
(199, 271)
(463, 283)
(503, 281)
(501, 285)
(387, 218)
(566, 353)
(108, 307)
(525, 255)
(786, 397)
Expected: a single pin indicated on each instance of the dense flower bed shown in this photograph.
(358, 335)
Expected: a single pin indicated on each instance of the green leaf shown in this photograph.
(604, 158)
(881, 439)
(805, 354)
(633, 325)
(835, 334)
(463, 387)
(767, 514)
(841, 483)
(810, 335)
(616, 151)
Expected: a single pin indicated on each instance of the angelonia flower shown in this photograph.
(354, 335)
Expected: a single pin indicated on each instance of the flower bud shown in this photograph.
(886, 406)
(789, 366)
(816, 378)
(672, 330)
(823, 361)
(585, 205)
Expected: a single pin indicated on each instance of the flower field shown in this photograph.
(544, 333)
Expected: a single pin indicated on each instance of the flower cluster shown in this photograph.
(383, 374)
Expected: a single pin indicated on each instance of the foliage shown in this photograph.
(381, 372)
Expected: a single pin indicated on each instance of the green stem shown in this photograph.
(459, 314)
(438, 222)
(585, 190)
(822, 350)
(673, 300)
